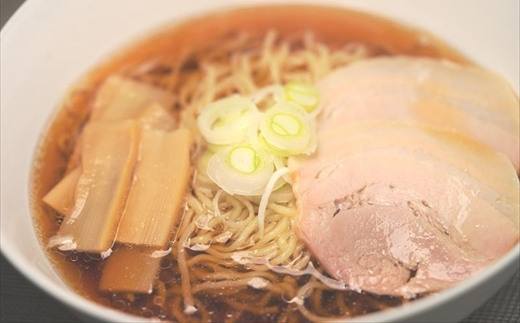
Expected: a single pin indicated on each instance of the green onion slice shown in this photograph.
(241, 169)
(286, 129)
(304, 94)
(226, 121)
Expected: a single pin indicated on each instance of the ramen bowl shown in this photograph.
(49, 45)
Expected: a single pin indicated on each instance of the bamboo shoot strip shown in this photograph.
(160, 182)
(61, 197)
(155, 116)
(75, 158)
(108, 155)
(130, 269)
(119, 99)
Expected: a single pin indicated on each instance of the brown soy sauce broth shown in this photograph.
(196, 37)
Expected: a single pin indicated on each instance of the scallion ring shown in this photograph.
(241, 169)
(303, 94)
(226, 121)
(287, 130)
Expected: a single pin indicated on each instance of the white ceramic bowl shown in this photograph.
(47, 45)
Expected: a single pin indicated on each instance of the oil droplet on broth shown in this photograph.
(158, 300)
(119, 304)
(165, 263)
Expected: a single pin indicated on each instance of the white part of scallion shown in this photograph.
(269, 188)
(286, 130)
(241, 169)
(226, 121)
(304, 94)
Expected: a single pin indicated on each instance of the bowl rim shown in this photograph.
(92, 309)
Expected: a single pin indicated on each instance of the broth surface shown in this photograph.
(185, 45)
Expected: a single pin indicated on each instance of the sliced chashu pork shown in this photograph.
(402, 209)
(470, 100)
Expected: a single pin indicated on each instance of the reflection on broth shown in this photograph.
(146, 231)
